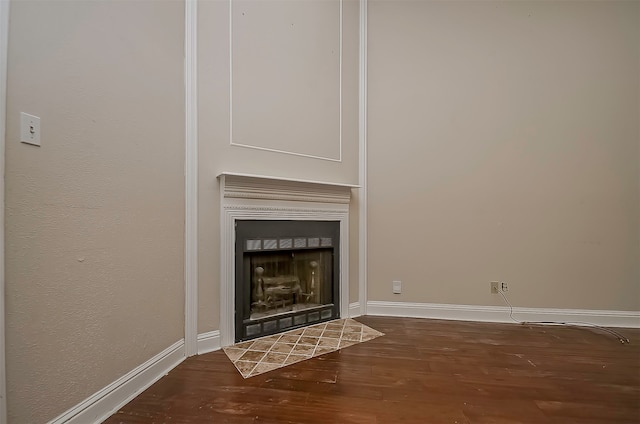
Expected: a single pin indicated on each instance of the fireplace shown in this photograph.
(273, 258)
(287, 275)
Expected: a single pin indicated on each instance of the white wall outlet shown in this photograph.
(29, 129)
(397, 287)
(504, 287)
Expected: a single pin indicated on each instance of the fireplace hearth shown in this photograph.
(287, 275)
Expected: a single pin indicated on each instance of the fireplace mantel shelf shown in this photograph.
(290, 180)
(248, 186)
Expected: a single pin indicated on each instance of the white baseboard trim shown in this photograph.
(628, 319)
(208, 342)
(354, 309)
(104, 403)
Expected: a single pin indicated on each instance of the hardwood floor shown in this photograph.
(421, 371)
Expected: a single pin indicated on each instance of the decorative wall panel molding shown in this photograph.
(294, 104)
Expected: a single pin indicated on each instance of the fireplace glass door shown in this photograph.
(287, 275)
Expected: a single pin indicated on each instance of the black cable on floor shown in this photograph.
(622, 339)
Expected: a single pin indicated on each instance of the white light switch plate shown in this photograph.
(29, 129)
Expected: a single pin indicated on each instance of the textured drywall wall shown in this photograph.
(276, 26)
(504, 145)
(95, 216)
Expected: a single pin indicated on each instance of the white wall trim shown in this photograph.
(628, 319)
(191, 179)
(208, 342)
(104, 403)
(354, 309)
(4, 44)
(286, 152)
(362, 170)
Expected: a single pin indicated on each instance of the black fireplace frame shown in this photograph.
(251, 229)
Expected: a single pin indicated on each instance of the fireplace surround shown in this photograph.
(250, 198)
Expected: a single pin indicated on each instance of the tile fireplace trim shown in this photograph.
(244, 196)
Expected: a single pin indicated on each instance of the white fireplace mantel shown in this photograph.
(246, 196)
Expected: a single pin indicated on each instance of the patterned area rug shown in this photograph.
(271, 352)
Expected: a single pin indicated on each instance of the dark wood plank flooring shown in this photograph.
(421, 371)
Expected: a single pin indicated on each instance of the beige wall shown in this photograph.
(504, 145)
(272, 117)
(95, 216)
